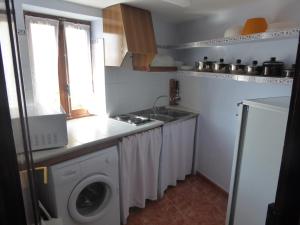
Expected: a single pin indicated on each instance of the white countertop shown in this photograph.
(95, 130)
(89, 131)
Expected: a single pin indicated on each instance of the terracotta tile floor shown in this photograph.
(194, 201)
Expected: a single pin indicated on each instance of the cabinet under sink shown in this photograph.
(157, 157)
(177, 153)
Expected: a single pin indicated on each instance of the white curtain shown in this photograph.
(98, 104)
(86, 73)
(177, 153)
(79, 64)
(42, 37)
(139, 165)
(8, 62)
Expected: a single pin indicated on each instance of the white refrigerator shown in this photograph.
(257, 159)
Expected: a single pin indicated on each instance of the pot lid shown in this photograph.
(273, 62)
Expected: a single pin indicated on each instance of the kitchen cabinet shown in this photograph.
(127, 30)
(139, 163)
(257, 160)
(177, 153)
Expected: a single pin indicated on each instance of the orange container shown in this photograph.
(254, 25)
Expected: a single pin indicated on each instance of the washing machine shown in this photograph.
(85, 190)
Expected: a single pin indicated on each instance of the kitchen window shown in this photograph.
(62, 70)
(7, 62)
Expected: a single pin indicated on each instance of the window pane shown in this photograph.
(43, 43)
(99, 104)
(8, 63)
(79, 65)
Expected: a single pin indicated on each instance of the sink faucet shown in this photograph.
(156, 100)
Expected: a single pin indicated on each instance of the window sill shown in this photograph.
(79, 116)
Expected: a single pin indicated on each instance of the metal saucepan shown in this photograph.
(289, 72)
(205, 65)
(254, 69)
(237, 68)
(220, 67)
(273, 68)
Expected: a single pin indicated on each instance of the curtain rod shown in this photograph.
(59, 18)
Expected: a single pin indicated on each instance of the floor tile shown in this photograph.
(194, 201)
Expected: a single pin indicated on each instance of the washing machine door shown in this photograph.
(90, 199)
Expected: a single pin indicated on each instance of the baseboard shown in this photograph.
(212, 183)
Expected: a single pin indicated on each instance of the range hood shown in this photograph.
(128, 30)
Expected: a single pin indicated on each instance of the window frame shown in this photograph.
(63, 76)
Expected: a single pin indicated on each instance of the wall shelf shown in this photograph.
(243, 78)
(267, 36)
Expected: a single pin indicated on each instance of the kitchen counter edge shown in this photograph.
(49, 157)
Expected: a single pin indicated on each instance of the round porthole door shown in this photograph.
(90, 199)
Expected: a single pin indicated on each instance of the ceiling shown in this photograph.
(174, 10)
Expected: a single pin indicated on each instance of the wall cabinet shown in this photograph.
(126, 30)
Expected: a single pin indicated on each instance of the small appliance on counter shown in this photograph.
(47, 128)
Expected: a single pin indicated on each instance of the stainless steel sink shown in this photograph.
(163, 114)
(172, 112)
(161, 117)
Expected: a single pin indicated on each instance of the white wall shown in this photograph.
(216, 99)
(165, 32)
(214, 25)
(128, 90)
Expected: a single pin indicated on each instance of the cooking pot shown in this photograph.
(220, 67)
(205, 65)
(237, 68)
(253, 69)
(289, 72)
(273, 68)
